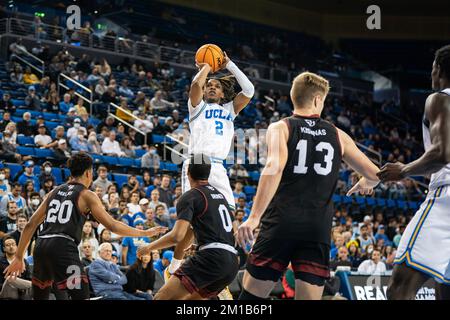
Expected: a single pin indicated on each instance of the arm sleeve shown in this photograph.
(247, 87)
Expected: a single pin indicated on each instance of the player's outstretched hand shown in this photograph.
(244, 235)
(155, 231)
(225, 61)
(363, 186)
(143, 250)
(15, 269)
(391, 172)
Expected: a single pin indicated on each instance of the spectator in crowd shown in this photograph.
(102, 179)
(380, 235)
(46, 173)
(8, 223)
(338, 242)
(162, 217)
(158, 103)
(161, 264)
(130, 245)
(365, 238)
(141, 277)
(17, 75)
(128, 148)
(73, 131)
(14, 287)
(33, 203)
(29, 175)
(8, 150)
(242, 204)
(111, 147)
(32, 100)
(6, 105)
(62, 151)
(66, 104)
(5, 121)
(29, 77)
(46, 188)
(59, 134)
(21, 222)
(239, 217)
(78, 142)
(5, 188)
(89, 235)
(238, 191)
(86, 253)
(151, 159)
(165, 193)
(154, 201)
(14, 195)
(106, 278)
(79, 108)
(42, 139)
(93, 144)
(149, 219)
(124, 112)
(342, 259)
(101, 87)
(25, 126)
(125, 91)
(133, 205)
(374, 265)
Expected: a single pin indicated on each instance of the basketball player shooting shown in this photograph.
(213, 106)
(424, 249)
(293, 203)
(62, 216)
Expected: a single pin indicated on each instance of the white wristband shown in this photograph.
(174, 265)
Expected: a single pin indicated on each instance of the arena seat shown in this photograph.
(44, 153)
(250, 190)
(138, 163)
(126, 162)
(157, 138)
(402, 204)
(371, 201)
(57, 173)
(413, 205)
(120, 179)
(25, 151)
(391, 203)
(25, 140)
(254, 175)
(140, 152)
(110, 160)
(336, 198)
(14, 169)
(381, 202)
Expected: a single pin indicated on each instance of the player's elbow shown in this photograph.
(177, 237)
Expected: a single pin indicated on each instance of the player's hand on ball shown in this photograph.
(15, 269)
(225, 61)
(244, 235)
(155, 231)
(363, 187)
(391, 172)
(200, 66)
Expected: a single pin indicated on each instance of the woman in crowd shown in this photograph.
(141, 277)
(127, 147)
(89, 235)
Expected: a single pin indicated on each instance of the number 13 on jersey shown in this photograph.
(301, 167)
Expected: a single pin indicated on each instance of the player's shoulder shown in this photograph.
(437, 102)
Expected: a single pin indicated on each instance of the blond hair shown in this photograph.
(306, 86)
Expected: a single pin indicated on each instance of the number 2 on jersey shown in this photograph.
(219, 128)
(301, 167)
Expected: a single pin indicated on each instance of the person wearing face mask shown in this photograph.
(78, 142)
(46, 173)
(93, 144)
(75, 129)
(4, 183)
(33, 204)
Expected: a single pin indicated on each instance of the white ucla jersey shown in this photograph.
(442, 177)
(212, 129)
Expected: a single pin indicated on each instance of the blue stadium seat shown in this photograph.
(24, 140)
(25, 151)
(254, 175)
(170, 166)
(347, 200)
(138, 163)
(66, 173)
(250, 190)
(140, 179)
(336, 198)
(110, 160)
(97, 158)
(120, 179)
(402, 204)
(14, 169)
(381, 202)
(52, 125)
(413, 205)
(157, 138)
(140, 152)
(57, 173)
(371, 201)
(360, 200)
(126, 162)
(50, 116)
(17, 102)
(391, 203)
(44, 153)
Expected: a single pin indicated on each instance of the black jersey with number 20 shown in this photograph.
(302, 207)
(209, 214)
(63, 216)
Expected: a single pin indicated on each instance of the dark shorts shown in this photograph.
(269, 259)
(57, 263)
(208, 272)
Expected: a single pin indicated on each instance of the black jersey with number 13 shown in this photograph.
(302, 207)
(208, 212)
(63, 216)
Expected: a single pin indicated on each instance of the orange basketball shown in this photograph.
(210, 54)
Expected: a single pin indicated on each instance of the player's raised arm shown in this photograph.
(437, 111)
(197, 84)
(17, 266)
(277, 137)
(91, 201)
(247, 89)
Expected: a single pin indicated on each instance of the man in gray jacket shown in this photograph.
(106, 278)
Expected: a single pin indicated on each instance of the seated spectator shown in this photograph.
(102, 179)
(79, 108)
(365, 238)
(53, 103)
(101, 87)
(342, 259)
(5, 188)
(17, 75)
(125, 91)
(380, 235)
(32, 100)
(161, 264)
(47, 187)
(128, 148)
(124, 112)
(8, 150)
(88, 234)
(86, 253)
(62, 152)
(78, 142)
(84, 120)
(110, 96)
(29, 77)
(42, 139)
(60, 133)
(25, 126)
(70, 117)
(162, 217)
(149, 218)
(6, 105)
(93, 144)
(16, 288)
(94, 77)
(14, 195)
(5, 121)
(106, 278)
(66, 104)
(29, 175)
(130, 245)
(133, 205)
(336, 244)
(8, 223)
(141, 277)
(374, 265)
(168, 125)
(75, 129)
(46, 173)
(238, 191)
(21, 222)
(242, 204)
(151, 159)
(157, 103)
(33, 204)
(111, 147)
